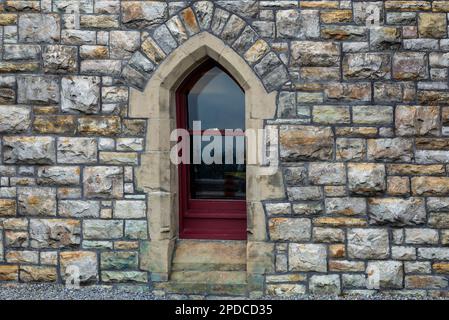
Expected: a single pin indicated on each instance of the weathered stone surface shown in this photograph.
(396, 149)
(54, 233)
(37, 202)
(22, 256)
(136, 229)
(38, 90)
(346, 206)
(9, 272)
(385, 38)
(366, 178)
(421, 236)
(29, 150)
(102, 229)
(397, 211)
(328, 235)
(130, 209)
(366, 66)
(430, 186)
(385, 274)
(16, 239)
(427, 282)
(331, 114)
(439, 219)
(84, 262)
(403, 253)
(79, 209)
(289, 229)
(398, 186)
(324, 173)
(102, 126)
(59, 175)
(54, 124)
(119, 260)
(348, 92)
(204, 11)
(409, 66)
(298, 24)
(80, 94)
(119, 158)
(432, 25)
(315, 54)
(103, 182)
(101, 67)
(368, 243)
(304, 193)
(34, 27)
(37, 274)
(307, 257)
(138, 14)
(60, 59)
(325, 284)
(124, 276)
(417, 120)
(306, 143)
(77, 150)
(124, 43)
(14, 119)
(350, 149)
(7, 207)
(372, 114)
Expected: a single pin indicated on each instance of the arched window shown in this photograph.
(212, 186)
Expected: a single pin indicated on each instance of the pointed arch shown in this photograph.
(206, 17)
(157, 177)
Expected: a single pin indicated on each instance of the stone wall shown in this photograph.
(363, 117)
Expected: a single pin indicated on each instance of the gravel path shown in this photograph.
(59, 292)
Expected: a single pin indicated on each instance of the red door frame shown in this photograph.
(204, 218)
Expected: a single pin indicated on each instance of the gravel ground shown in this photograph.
(59, 292)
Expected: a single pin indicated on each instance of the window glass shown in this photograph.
(217, 101)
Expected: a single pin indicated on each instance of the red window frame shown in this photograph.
(205, 218)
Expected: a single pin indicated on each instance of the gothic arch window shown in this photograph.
(210, 105)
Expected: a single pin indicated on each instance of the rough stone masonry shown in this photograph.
(363, 116)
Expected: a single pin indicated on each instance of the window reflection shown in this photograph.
(219, 103)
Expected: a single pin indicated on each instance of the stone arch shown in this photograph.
(206, 16)
(157, 177)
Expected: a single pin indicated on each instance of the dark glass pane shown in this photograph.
(217, 101)
(220, 181)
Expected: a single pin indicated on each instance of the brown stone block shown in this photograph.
(398, 186)
(305, 142)
(55, 124)
(432, 143)
(430, 186)
(425, 282)
(336, 16)
(408, 5)
(432, 25)
(337, 251)
(415, 169)
(102, 126)
(9, 273)
(441, 267)
(38, 274)
(8, 19)
(433, 97)
(7, 207)
(339, 222)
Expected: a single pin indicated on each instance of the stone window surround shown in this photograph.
(157, 177)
